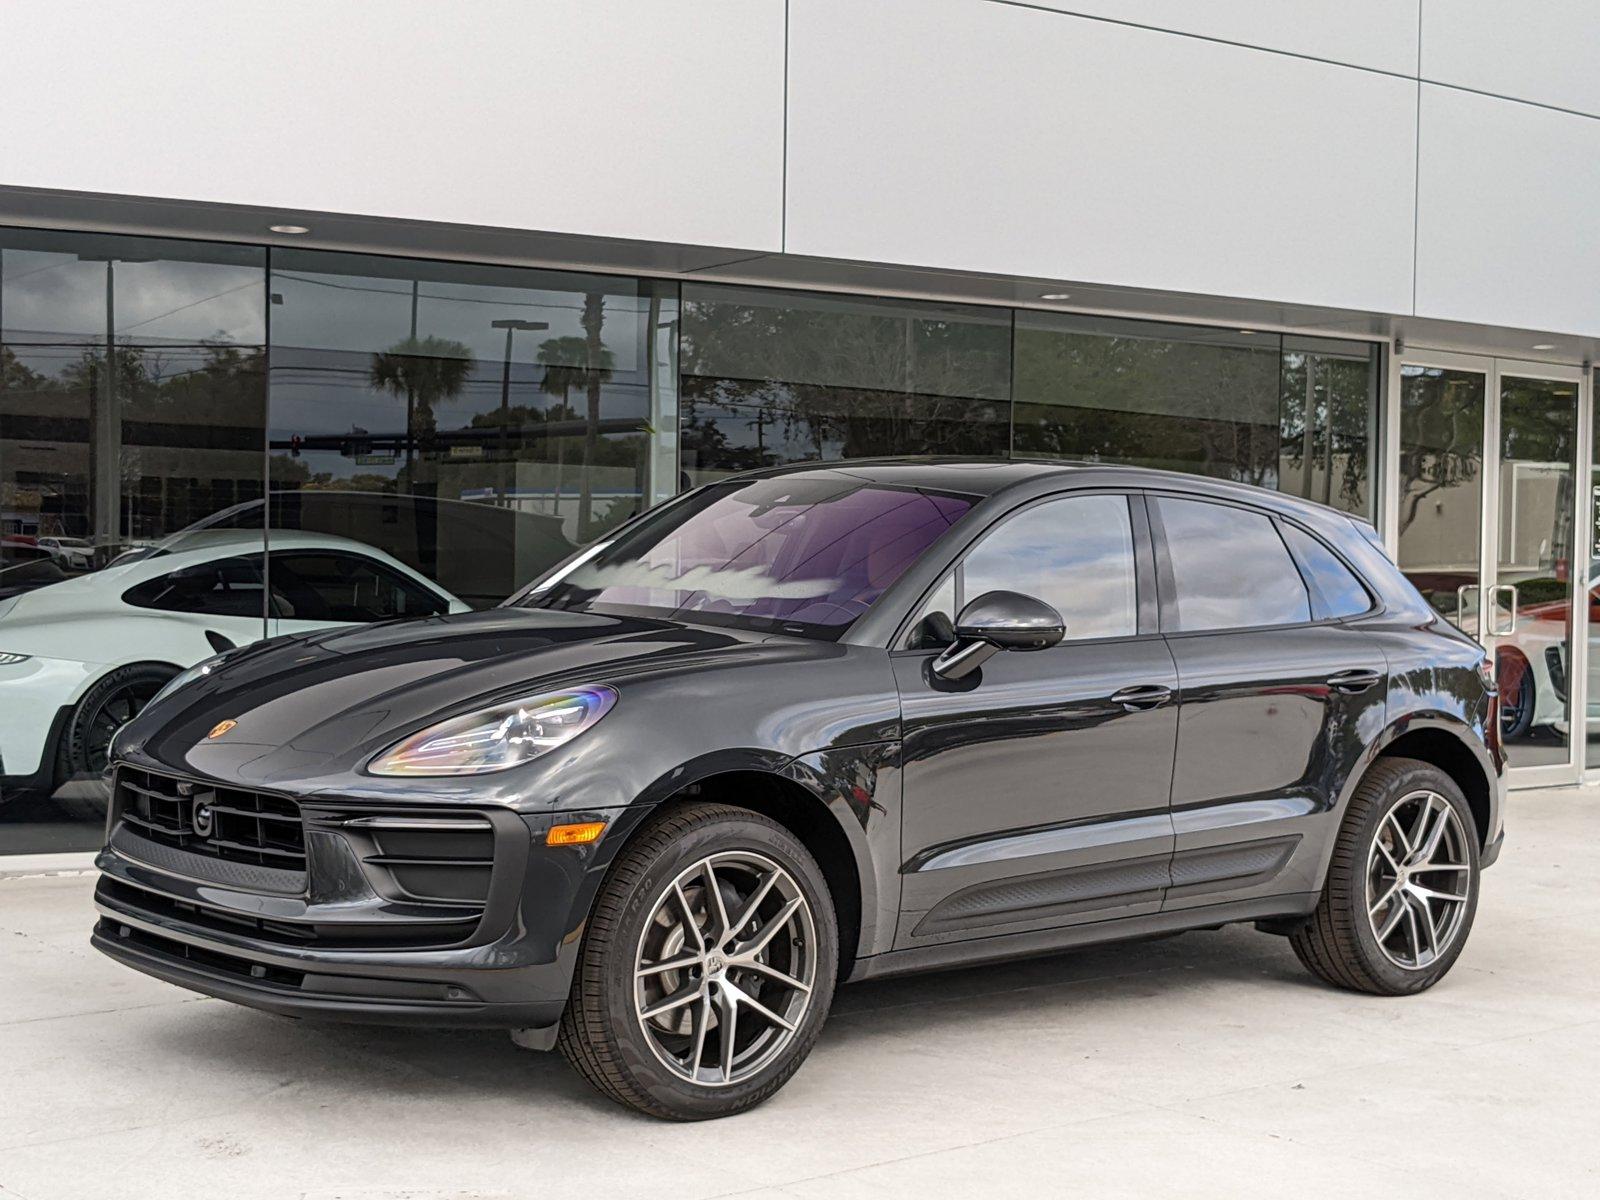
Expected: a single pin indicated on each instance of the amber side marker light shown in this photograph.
(574, 835)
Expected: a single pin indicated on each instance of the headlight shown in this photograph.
(495, 739)
(183, 678)
(7, 660)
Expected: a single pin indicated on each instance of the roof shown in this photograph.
(990, 476)
(978, 476)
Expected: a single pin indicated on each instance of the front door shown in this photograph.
(1036, 790)
(1487, 528)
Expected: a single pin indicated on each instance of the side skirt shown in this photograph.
(1046, 941)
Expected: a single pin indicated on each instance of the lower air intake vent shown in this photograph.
(434, 859)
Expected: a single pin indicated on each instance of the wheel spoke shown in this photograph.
(1426, 894)
(677, 1000)
(1372, 909)
(690, 925)
(767, 932)
(1429, 868)
(1397, 912)
(1430, 846)
(671, 964)
(1393, 822)
(702, 1022)
(748, 912)
(1427, 931)
(771, 972)
(1411, 927)
(1419, 829)
(715, 907)
(1388, 856)
(746, 1000)
(727, 1028)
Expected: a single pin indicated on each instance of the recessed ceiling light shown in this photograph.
(1055, 295)
(1545, 346)
(289, 228)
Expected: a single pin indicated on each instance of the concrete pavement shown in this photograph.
(1204, 1065)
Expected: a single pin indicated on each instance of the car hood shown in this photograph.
(321, 705)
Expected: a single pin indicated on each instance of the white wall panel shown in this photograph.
(1508, 232)
(628, 118)
(1005, 139)
(1539, 50)
(1380, 34)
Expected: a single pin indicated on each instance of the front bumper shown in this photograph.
(36, 697)
(341, 943)
(384, 990)
(1491, 852)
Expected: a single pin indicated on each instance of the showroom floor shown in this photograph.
(1206, 1065)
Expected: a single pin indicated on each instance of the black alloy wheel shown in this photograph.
(107, 706)
(1517, 696)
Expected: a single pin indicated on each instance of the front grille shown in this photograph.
(225, 823)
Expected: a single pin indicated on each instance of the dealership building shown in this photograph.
(352, 312)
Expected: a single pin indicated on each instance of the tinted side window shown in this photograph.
(229, 587)
(1335, 590)
(345, 587)
(1075, 554)
(1230, 568)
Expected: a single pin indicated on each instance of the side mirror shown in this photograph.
(998, 621)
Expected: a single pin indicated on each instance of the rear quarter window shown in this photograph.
(1335, 589)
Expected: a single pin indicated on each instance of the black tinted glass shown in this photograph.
(773, 377)
(1335, 591)
(229, 587)
(345, 587)
(1075, 554)
(1230, 568)
(1294, 414)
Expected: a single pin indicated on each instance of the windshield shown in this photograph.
(802, 555)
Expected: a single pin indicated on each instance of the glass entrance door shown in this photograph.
(1487, 528)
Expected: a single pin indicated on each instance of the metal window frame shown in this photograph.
(1494, 371)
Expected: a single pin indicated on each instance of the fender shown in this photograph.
(1453, 724)
(858, 786)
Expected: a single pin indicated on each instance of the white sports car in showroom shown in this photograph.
(79, 657)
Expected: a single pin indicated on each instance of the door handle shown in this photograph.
(1351, 682)
(1142, 696)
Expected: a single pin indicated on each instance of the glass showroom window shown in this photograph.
(1292, 414)
(471, 425)
(772, 377)
(132, 406)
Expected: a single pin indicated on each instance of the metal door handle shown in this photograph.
(1494, 610)
(1351, 682)
(1142, 696)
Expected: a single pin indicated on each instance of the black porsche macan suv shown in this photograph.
(812, 725)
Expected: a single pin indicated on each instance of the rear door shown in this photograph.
(1277, 695)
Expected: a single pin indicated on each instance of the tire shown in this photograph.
(114, 700)
(642, 1059)
(1518, 695)
(1344, 941)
